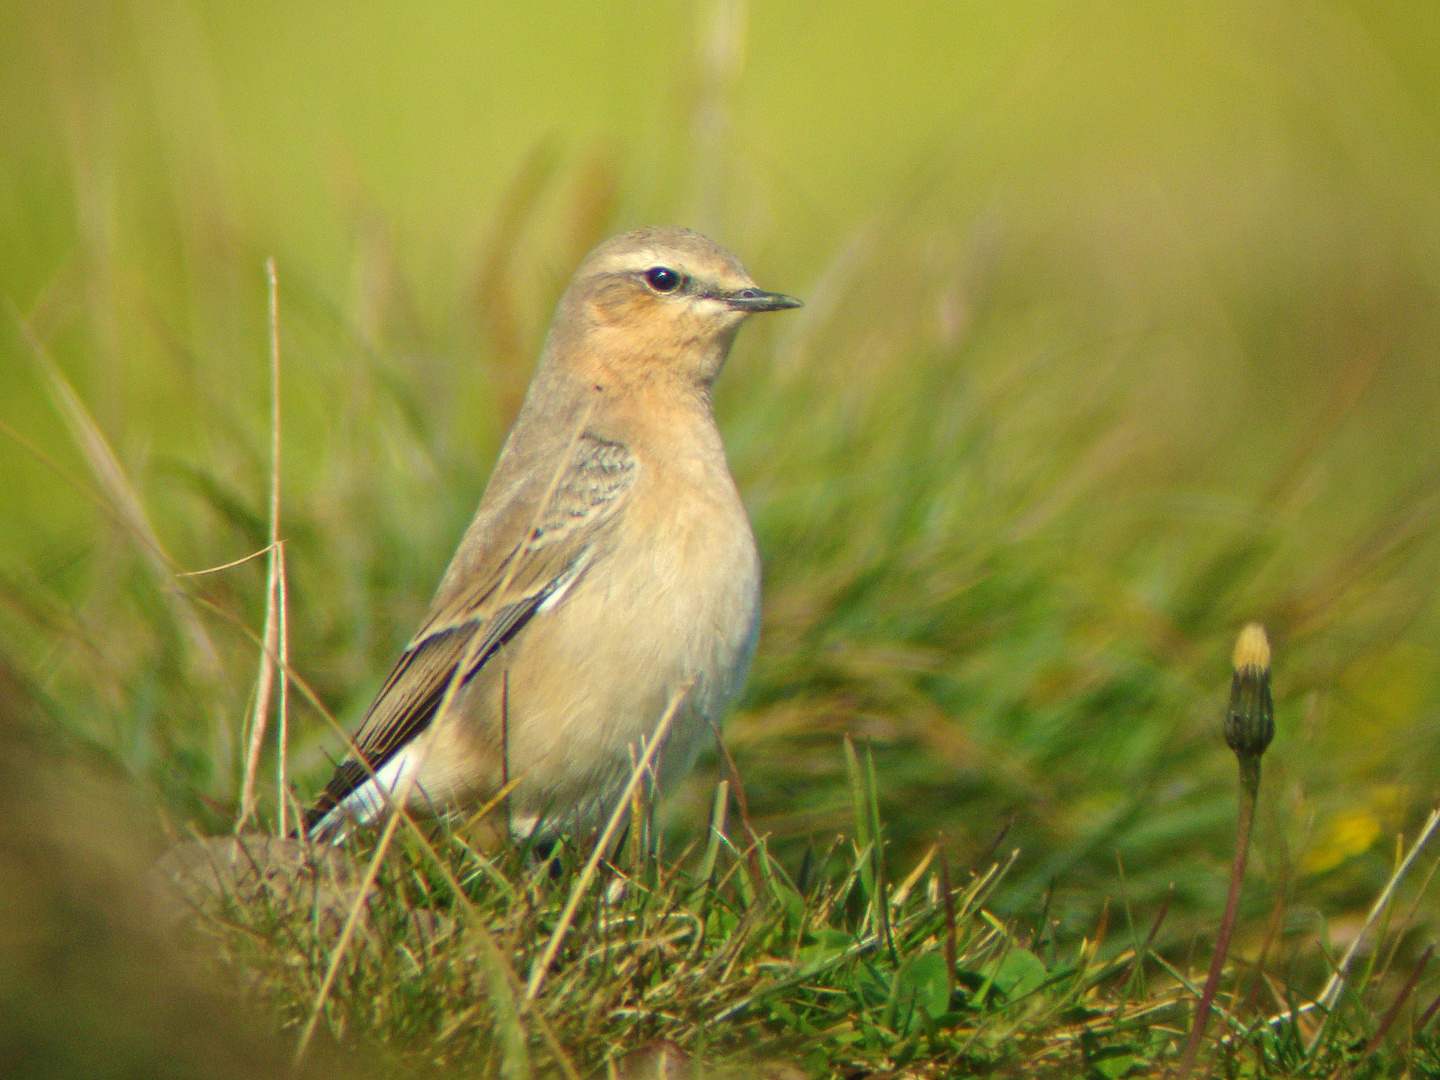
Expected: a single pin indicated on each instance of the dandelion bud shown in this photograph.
(1250, 720)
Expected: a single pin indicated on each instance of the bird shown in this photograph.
(610, 574)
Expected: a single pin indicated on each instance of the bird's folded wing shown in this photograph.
(537, 546)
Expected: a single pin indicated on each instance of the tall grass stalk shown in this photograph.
(271, 649)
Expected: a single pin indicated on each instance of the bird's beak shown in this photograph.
(759, 300)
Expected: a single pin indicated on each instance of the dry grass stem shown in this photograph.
(274, 616)
(282, 717)
(124, 501)
(1336, 983)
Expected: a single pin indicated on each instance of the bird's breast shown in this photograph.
(685, 557)
(668, 598)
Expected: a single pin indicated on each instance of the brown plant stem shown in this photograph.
(1400, 999)
(1249, 789)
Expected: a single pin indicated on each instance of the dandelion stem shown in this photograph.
(1249, 727)
(1249, 788)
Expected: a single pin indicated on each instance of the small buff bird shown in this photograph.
(610, 570)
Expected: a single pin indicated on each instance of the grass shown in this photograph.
(1107, 376)
(832, 967)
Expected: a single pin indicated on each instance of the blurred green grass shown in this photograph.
(1121, 331)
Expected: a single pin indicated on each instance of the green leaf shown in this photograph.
(921, 983)
(1020, 972)
(813, 957)
(1114, 1064)
(830, 938)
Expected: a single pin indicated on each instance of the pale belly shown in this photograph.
(668, 616)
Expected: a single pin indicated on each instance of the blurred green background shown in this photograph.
(1121, 330)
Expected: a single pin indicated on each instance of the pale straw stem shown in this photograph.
(282, 719)
(1331, 993)
(273, 590)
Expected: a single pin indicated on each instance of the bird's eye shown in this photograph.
(662, 279)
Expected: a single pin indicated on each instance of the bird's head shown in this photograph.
(660, 300)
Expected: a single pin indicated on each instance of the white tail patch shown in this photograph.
(364, 804)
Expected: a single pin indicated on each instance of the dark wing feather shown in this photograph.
(408, 701)
(496, 605)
